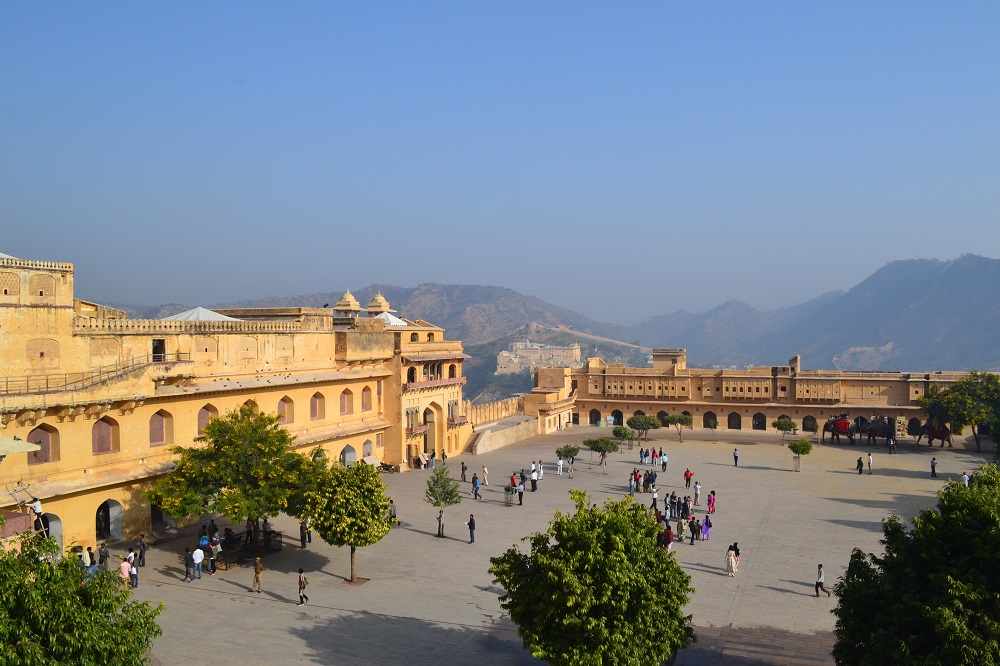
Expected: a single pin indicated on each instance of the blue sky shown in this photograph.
(611, 158)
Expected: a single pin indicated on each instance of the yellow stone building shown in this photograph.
(751, 398)
(103, 397)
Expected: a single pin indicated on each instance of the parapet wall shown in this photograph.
(493, 411)
(490, 440)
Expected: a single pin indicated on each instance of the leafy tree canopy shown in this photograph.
(244, 470)
(48, 618)
(679, 422)
(972, 401)
(601, 445)
(349, 507)
(643, 424)
(595, 589)
(442, 490)
(800, 447)
(933, 596)
(623, 433)
(784, 425)
(568, 451)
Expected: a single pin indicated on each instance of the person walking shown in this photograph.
(103, 556)
(143, 546)
(520, 494)
(736, 457)
(706, 528)
(440, 523)
(933, 471)
(125, 572)
(692, 527)
(869, 462)
(302, 535)
(197, 557)
(736, 552)
(534, 479)
(631, 484)
(486, 476)
(697, 492)
(303, 581)
(731, 562)
(820, 581)
(464, 468)
(663, 462)
(258, 576)
(444, 458)
(711, 502)
(861, 466)
(475, 487)
(541, 470)
(687, 477)
(472, 528)
(655, 495)
(188, 565)
(559, 466)
(393, 520)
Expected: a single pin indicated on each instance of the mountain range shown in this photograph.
(917, 315)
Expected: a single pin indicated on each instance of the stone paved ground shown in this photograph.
(431, 601)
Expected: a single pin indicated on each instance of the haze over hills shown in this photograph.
(914, 315)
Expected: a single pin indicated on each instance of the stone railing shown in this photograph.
(152, 326)
(30, 263)
(412, 386)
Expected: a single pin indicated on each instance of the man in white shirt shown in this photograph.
(197, 556)
(965, 479)
(541, 470)
(534, 479)
(869, 462)
(559, 466)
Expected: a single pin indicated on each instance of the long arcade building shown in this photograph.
(750, 398)
(101, 398)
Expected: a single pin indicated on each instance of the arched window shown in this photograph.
(205, 415)
(663, 418)
(104, 435)
(809, 424)
(595, 417)
(411, 375)
(709, 420)
(414, 337)
(366, 399)
(161, 428)
(735, 421)
(46, 437)
(252, 404)
(286, 410)
(430, 337)
(759, 421)
(346, 402)
(452, 371)
(317, 406)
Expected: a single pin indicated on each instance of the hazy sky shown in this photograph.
(602, 156)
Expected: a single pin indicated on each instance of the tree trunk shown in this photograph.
(354, 578)
(975, 436)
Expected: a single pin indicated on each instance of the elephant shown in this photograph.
(838, 426)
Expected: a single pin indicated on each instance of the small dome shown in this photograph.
(347, 303)
(378, 305)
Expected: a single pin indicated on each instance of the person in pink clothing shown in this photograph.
(711, 502)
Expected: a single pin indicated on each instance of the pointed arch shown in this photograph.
(161, 428)
(205, 416)
(317, 406)
(709, 419)
(735, 421)
(346, 402)
(286, 410)
(104, 436)
(47, 437)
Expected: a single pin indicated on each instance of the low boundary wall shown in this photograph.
(490, 440)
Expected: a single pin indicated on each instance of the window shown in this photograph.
(411, 375)
(161, 428)
(366, 399)
(414, 337)
(206, 414)
(286, 410)
(346, 402)
(317, 407)
(104, 435)
(452, 371)
(430, 337)
(46, 437)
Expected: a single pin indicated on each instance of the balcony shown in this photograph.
(458, 420)
(416, 430)
(432, 383)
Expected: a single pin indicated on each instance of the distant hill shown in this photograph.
(919, 314)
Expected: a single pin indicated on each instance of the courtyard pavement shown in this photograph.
(432, 601)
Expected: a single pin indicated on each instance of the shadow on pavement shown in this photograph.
(871, 525)
(363, 639)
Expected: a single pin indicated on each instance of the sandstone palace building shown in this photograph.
(752, 398)
(91, 401)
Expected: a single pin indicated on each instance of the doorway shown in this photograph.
(159, 351)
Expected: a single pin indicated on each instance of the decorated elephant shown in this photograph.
(878, 426)
(839, 426)
(933, 431)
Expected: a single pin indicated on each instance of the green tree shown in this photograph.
(596, 589)
(800, 447)
(934, 591)
(713, 425)
(47, 617)
(602, 446)
(568, 452)
(680, 421)
(350, 508)
(785, 425)
(442, 490)
(971, 401)
(624, 433)
(642, 424)
(244, 470)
